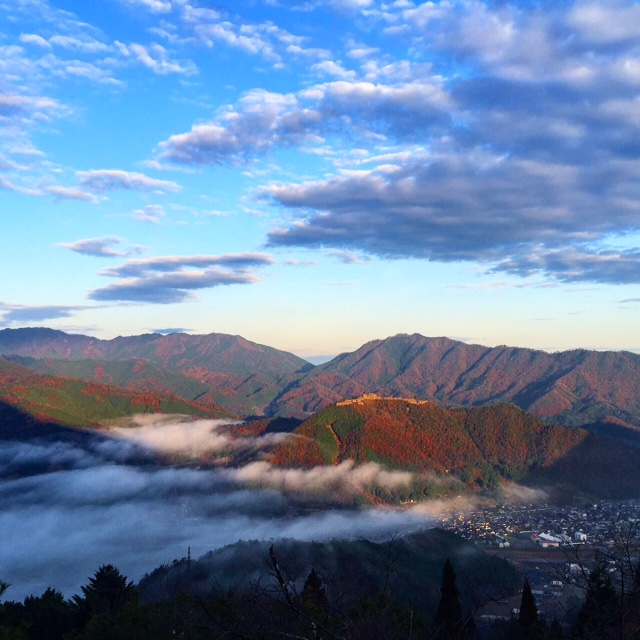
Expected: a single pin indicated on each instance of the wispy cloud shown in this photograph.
(100, 247)
(348, 257)
(70, 193)
(18, 314)
(151, 213)
(101, 180)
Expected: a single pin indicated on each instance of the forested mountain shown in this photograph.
(242, 376)
(355, 569)
(176, 351)
(474, 448)
(571, 387)
(600, 390)
(67, 401)
(241, 394)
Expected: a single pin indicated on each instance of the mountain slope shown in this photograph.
(245, 394)
(69, 401)
(477, 448)
(177, 351)
(572, 387)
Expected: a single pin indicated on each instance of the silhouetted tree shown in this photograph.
(448, 618)
(528, 616)
(601, 609)
(107, 593)
(49, 615)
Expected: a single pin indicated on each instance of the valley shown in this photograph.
(178, 442)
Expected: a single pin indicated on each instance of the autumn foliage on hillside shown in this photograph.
(478, 446)
(79, 403)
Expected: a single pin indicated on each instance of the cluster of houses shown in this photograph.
(546, 540)
(548, 526)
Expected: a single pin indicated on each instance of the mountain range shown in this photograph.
(573, 388)
(460, 417)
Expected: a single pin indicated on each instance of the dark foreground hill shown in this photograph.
(345, 590)
(411, 567)
(463, 449)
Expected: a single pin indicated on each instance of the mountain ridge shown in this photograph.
(575, 387)
(166, 350)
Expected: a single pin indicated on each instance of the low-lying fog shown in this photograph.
(82, 506)
(67, 508)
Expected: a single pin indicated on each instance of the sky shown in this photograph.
(315, 174)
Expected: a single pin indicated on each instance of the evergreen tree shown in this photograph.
(313, 592)
(528, 616)
(49, 615)
(107, 593)
(448, 618)
(601, 608)
(314, 598)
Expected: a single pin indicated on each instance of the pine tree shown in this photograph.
(313, 592)
(448, 618)
(601, 607)
(107, 593)
(528, 616)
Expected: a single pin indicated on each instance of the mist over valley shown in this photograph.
(96, 473)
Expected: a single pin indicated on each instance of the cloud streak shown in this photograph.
(98, 247)
(102, 180)
(170, 279)
(15, 313)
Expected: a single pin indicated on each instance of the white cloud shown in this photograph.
(100, 247)
(151, 213)
(156, 58)
(33, 38)
(170, 279)
(84, 44)
(109, 179)
(331, 68)
(70, 193)
(154, 6)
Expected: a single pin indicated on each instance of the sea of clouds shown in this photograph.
(66, 508)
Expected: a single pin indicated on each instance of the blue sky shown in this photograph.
(316, 174)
